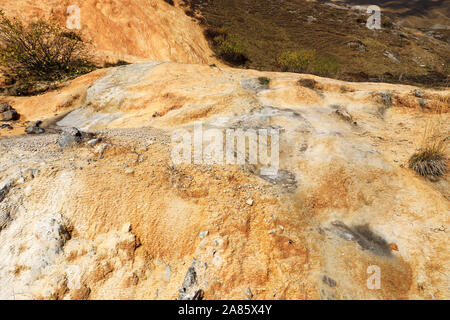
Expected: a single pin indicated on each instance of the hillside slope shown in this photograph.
(337, 30)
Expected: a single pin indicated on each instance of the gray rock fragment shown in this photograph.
(249, 294)
(328, 281)
(189, 290)
(5, 219)
(10, 115)
(93, 142)
(4, 188)
(34, 128)
(5, 107)
(418, 93)
(70, 137)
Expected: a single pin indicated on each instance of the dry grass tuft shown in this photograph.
(429, 163)
(432, 161)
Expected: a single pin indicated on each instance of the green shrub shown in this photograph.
(41, 51)
(264, 81)
(296, 61)
(307, 61)
(230, 49)
(324, 66)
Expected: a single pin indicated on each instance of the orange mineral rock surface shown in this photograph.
(131, 30)
(106, 213)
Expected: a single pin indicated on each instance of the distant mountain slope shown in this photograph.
(408, 7)
(416, 13)
(396, 53)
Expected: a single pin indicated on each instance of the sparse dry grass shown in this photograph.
(308, 83)
(441, 103)
(429, 162)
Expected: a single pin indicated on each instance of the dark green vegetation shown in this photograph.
(308, 61)
(230, 49)
(275, 35)
(264, 81)
(36, 56)
(118, 63)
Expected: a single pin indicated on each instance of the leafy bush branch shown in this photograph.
(41, 50)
